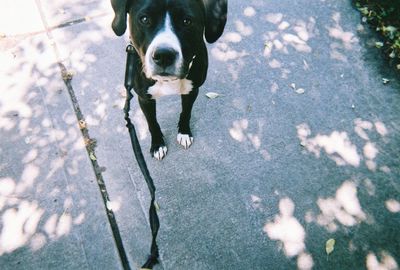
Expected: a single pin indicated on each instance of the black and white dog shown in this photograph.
(171, 56)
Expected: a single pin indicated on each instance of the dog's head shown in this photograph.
(167, 34)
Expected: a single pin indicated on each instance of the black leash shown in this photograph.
(154, 222)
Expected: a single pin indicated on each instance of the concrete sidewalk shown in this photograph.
(301, 146)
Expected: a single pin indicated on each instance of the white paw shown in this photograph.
(160, 153)
(184, 140)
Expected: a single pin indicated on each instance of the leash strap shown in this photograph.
(153, 217)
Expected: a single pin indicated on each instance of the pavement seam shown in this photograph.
(141, 203)
(66, 179)
(54, 27)
(89, 144)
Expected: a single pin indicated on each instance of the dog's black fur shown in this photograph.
(184, 66)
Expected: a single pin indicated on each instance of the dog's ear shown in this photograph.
(119, 21)
(216, 11)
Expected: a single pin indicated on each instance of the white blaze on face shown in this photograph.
(166, 37)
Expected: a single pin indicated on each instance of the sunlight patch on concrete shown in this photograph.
(343, 40)
(20, 17)
(337, 146)
(249, 12)
(18, 225)
(286, 229)
(381, 128)
(392, 205)
(384, 262)
(243, 29)
(141, 124)
(344, 209)
(288, 34)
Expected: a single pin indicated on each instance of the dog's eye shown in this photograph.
(144, 20)
(187, 22)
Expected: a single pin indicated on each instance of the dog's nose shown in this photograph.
(164, 57)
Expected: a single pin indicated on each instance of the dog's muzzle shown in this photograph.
(164, 57)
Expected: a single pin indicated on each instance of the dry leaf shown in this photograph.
(212, 95)
(300, 91)
(385, 81)
(82, 124)
(67, 75)
(330, 246)
(379, 44)
(268, 44)
(92, 156)
(293, 85)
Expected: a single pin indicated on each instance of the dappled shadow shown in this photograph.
(38, 147)
(338, 146)
(288, 230)
(274, 171)
(312, 130)
(49, 198)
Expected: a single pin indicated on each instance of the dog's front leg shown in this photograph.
(158, 148)
(185, 136)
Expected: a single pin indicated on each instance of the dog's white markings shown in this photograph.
(185, 140)
(171, 87)
(164, 38)
(160, 153)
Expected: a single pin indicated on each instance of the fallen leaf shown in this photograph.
(82, 124)
(398, 66)
(92, 156)
(212, 95)
(392, 54)
(293, 85)
(330, 246)
(268, 44)
(385, 81)
(67, 75)
(300, 91)
(379, 44)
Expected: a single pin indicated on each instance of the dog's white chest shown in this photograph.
(175, 87)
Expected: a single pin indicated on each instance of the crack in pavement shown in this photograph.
(90, 143)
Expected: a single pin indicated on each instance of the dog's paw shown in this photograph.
(185, 140)
(159, 152)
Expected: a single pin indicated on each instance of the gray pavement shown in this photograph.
(301, 146)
